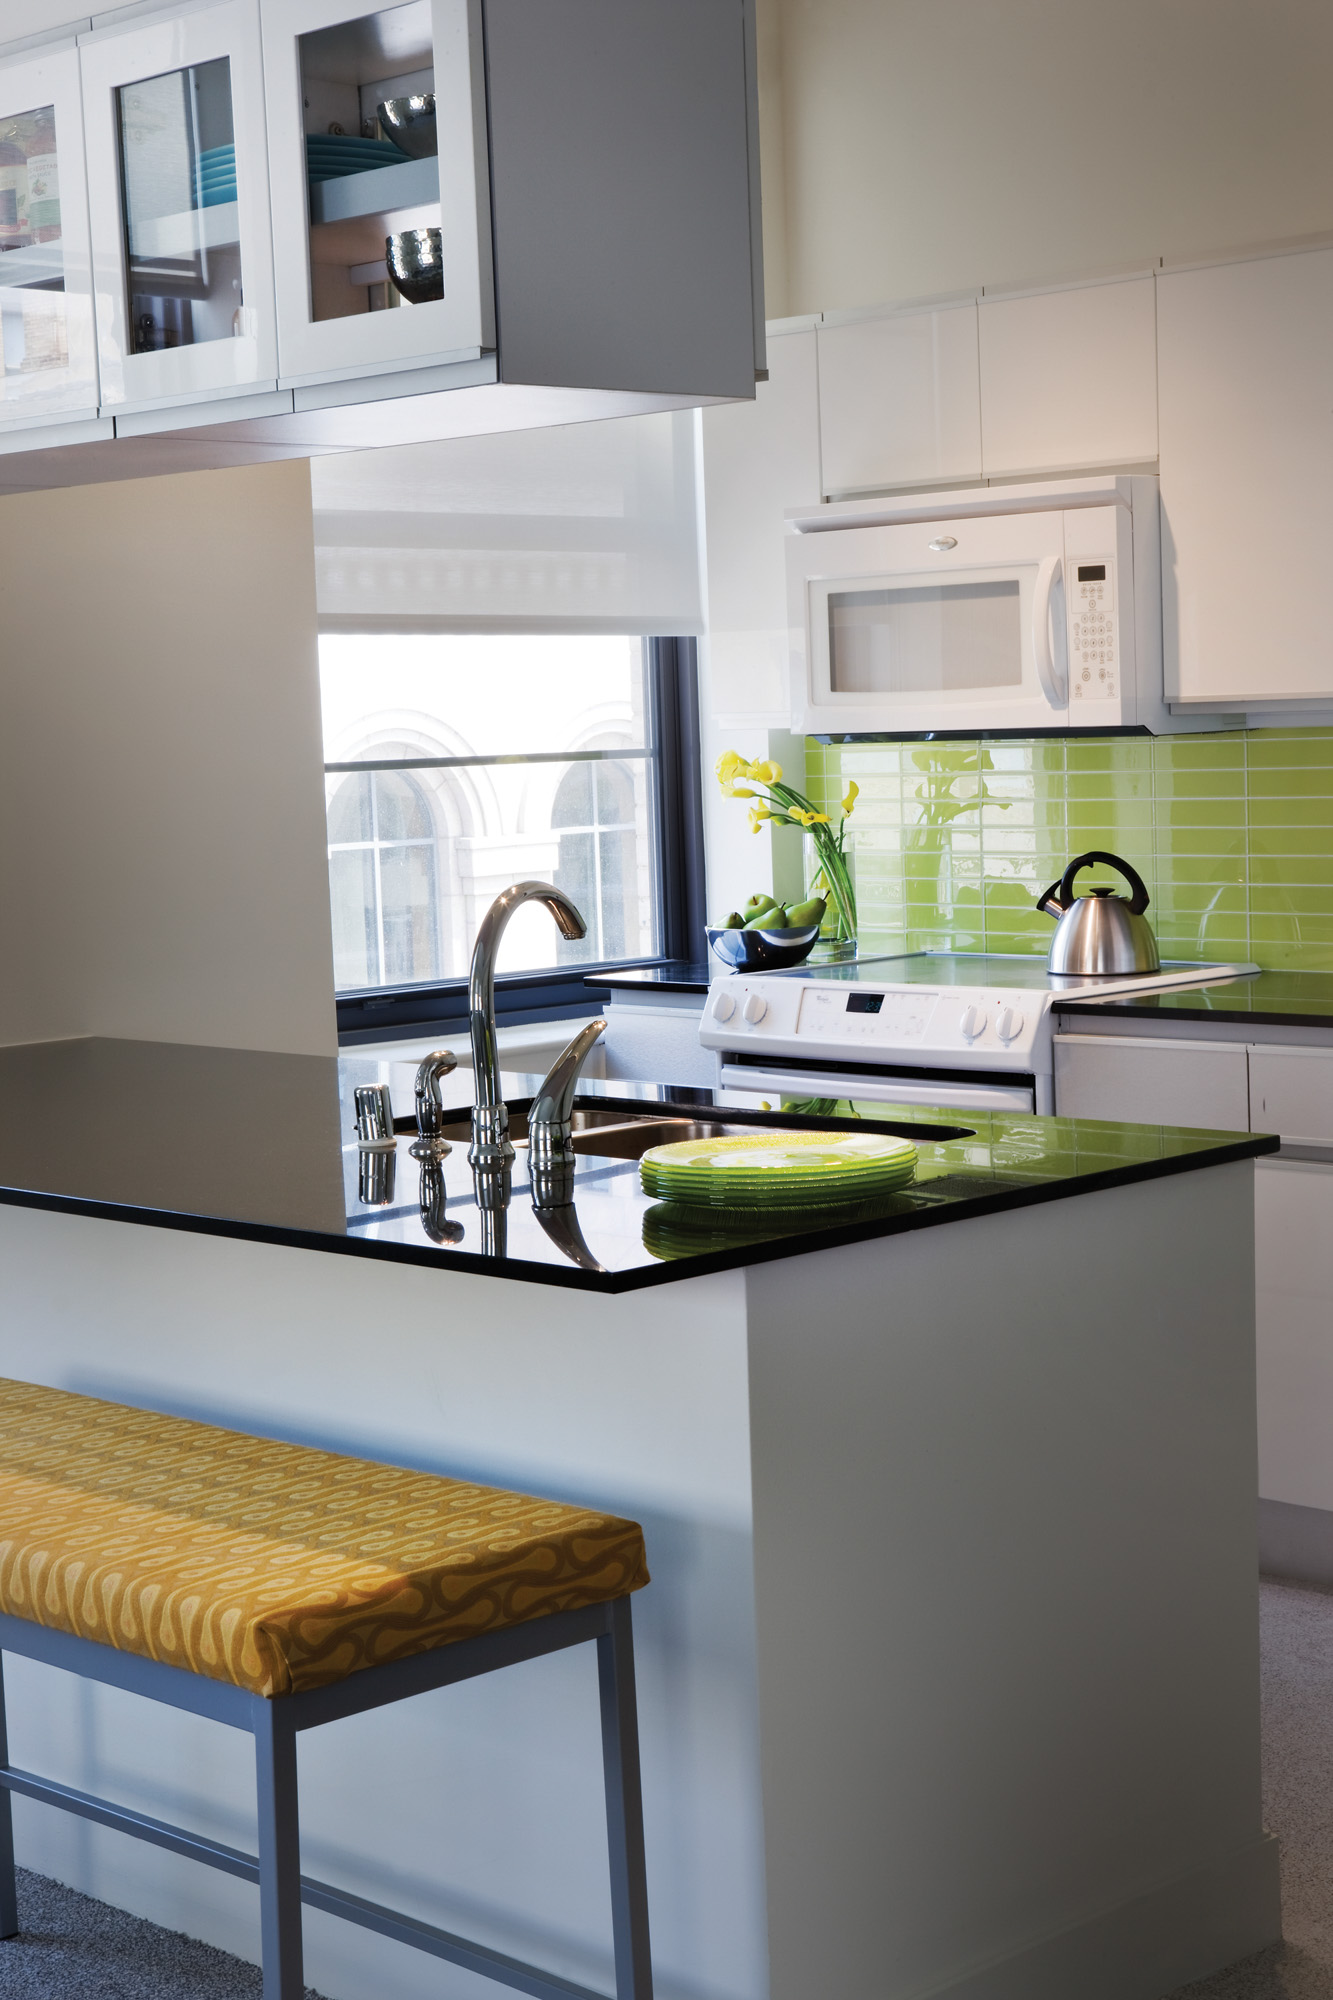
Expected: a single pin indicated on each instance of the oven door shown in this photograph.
(954, 625)
(877, 1083)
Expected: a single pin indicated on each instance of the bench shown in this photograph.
(274, 1587)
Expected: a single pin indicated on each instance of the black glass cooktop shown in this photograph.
(968, 968)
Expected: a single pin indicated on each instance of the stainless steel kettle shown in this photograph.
(1099, 935)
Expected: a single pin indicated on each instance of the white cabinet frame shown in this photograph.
(51, 76)
(115, 56)
(461, 325)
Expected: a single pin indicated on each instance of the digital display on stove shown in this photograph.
(864, 1003)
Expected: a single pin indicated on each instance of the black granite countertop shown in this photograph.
(676, 975)
(1261, 999)
(232, 1143)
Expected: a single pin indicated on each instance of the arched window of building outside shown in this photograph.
(382, 868)
(594, 813)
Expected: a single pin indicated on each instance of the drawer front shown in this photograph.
(1291, 1092)
(1150, 1082)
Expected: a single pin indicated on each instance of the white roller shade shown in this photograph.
(587, 528)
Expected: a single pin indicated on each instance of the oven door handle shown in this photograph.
(1051, 654)
(878, 1090)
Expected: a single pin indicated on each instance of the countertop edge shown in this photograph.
(671, 1271)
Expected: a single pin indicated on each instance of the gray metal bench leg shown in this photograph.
(279, 1853)
(9, 1909)
(624, 1807)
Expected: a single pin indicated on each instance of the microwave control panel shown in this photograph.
(1094, 666)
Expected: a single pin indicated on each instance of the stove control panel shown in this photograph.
(945, 1027)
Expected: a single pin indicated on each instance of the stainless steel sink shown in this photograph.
(617, 1135)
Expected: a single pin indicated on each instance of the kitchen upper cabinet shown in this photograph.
(899, 401)
(1246, 386)
(1069, 379)
(48, 356)
(179, 207)
(377, 132)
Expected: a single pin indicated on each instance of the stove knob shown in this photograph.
(1009, 1024)
(755, 1008)
(973, 1022)
(723, 1007)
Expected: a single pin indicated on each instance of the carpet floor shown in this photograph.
(1297, 1627)
(71, 1948)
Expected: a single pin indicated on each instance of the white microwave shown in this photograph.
(1016, 609)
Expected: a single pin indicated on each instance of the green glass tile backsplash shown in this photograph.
(1233, 835)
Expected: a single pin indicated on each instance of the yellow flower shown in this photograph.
(805, 818)
(758, 814)
(765, 774)
(740, 792)
(728, 764)
(850, 799)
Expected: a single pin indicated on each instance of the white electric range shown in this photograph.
(971, 1029)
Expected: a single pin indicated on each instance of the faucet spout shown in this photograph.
(491, 1147)
(551, 1155)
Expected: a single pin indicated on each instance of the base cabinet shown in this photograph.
(1267, 1087)
(1152, 1082)
(1294, 1330)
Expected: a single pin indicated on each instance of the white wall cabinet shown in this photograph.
(1246, 393)
(1069, 379)
(899, 401)
(592, 181)
(179, 207)
(48, 356)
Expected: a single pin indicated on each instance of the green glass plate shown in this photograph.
(789, 1169)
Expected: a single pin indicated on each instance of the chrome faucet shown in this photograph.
(491, 1150)
(550, 1129)
(430, 1142)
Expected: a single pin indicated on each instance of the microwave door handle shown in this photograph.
(1054, 682)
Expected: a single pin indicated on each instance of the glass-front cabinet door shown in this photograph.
(48, 357)
(377, 153)
(178, 195)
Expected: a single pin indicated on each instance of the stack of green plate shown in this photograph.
(778, 1171)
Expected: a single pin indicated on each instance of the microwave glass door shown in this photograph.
(924, 637)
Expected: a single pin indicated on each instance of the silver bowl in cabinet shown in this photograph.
(415, 258)
(410, 123)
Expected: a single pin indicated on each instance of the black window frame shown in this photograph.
(377, 1014)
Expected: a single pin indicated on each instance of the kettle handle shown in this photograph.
(1139, 902)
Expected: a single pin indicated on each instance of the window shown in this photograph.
(458, 763)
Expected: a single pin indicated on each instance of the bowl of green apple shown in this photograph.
(766, 935)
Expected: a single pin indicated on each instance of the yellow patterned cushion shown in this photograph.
(271, 1565)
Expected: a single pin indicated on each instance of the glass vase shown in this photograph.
(832, 874)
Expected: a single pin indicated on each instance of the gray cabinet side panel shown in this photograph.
(620, 189)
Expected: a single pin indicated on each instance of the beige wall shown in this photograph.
(161, 796)
(924, 146)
